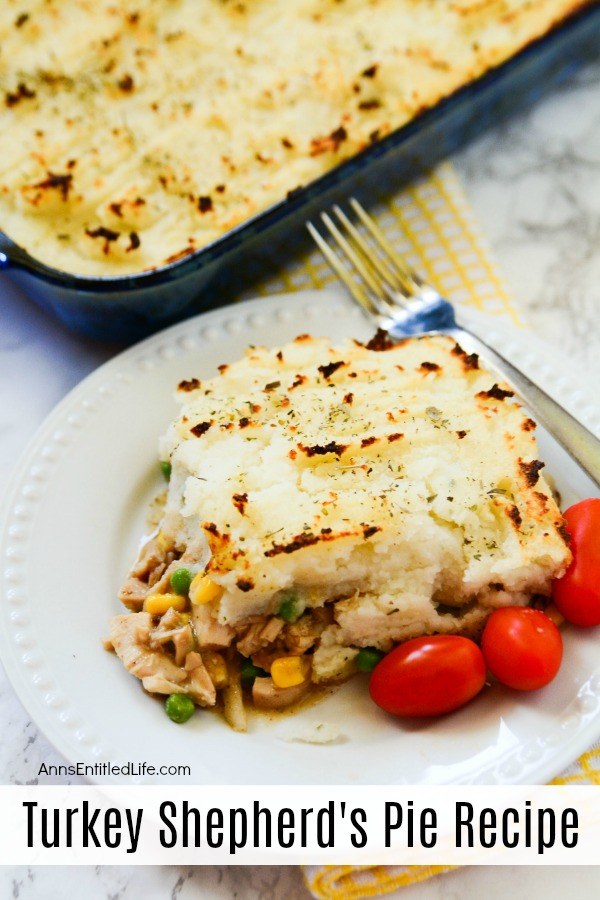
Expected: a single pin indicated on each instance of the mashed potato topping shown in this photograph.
(387, 490)
(132, 133)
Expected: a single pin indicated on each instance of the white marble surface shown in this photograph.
(535, 184)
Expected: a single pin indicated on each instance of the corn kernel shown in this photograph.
(159, 604)
(204, 590)
(288, 671)
(216, 668)
(164, 544)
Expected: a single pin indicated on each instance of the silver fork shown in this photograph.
(403, 304)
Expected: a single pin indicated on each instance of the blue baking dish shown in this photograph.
(127, 308)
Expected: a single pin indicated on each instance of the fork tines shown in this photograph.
(386, 279)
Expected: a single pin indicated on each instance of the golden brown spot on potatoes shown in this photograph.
(108, 235)
(134, 242)
(370, 72)
(174, 257)
(514, 515)
(62, 183)
(328, 369)
(330, 142)
(323, 449)
(201, 428)
(495, 393)
(308, 539)
(126, 84)
(191, 384)
(468, 360)
(562, 529)
(381, 341)
(205, 204)
(245, 584)
(531, 470)
(298, 543)
(22, 93)
(240, 501)
(371, 103)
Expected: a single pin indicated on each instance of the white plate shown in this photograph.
(73, 518)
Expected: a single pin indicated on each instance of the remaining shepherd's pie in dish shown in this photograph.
(134, 132)
(330, 501)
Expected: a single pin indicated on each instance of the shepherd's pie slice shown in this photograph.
(333, 497)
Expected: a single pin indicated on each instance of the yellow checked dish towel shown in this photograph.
(432, 224)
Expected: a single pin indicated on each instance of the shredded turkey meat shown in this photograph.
(173, 629)
(266, 695)
(153, 560)
(260, 635)
(304, 634)
(210, 633)
(141, 649)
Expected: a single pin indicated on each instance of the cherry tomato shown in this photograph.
(428, 676)
(522, 647)
(577, 593)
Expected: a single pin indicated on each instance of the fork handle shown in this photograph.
(580, 443)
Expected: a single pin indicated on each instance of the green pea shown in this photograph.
(290, 608)
(179, 708)
(368, 658)
(165, 468)
(181, 580)
(248, 672)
